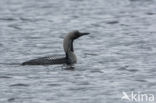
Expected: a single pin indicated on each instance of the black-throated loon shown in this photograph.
(70, 57)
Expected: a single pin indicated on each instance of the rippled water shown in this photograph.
(119, 54)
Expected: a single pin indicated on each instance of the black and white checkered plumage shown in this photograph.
(49, 60)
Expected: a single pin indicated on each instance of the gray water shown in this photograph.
(119, 54)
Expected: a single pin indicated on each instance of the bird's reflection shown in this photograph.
(68, 67)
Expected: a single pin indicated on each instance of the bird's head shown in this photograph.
(76, 34)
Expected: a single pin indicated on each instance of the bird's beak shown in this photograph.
(81, 34)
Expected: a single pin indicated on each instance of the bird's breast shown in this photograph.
(72, 57)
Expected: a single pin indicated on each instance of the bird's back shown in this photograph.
(49, 60)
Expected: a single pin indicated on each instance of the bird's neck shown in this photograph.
(69, 48)
(70, 55)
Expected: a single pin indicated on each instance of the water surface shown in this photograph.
(119, 54)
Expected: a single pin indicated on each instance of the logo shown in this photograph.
(137, 97)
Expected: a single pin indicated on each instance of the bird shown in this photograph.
(69, 58)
